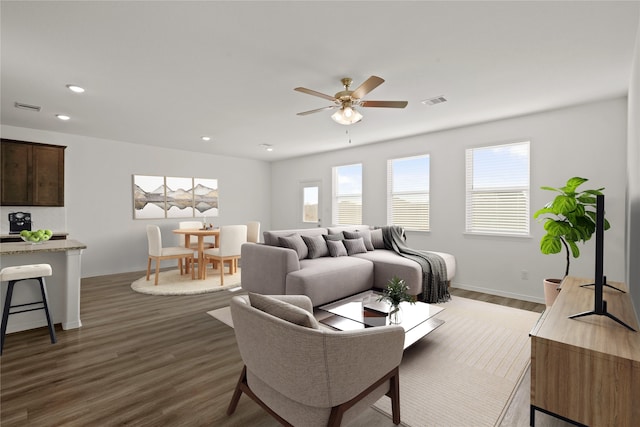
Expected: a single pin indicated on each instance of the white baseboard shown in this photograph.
(498, 293)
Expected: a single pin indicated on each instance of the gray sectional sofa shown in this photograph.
(295, 262)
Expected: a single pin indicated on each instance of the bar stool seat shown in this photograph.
(15, 274)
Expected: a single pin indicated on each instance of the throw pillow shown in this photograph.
(296, 243)
(355, 246)
(365, 234)
(336, 248)
(337, 236)
(283, 310)
(316, 245)
(376, 238)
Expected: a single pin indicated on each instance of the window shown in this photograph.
(310, 202)
(347, 195)
(408, 192)
(498, 189)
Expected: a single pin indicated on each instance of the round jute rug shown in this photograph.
(172, 283)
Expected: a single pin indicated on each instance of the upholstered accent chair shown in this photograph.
(231, 239)
(310, 375)
(253, 231)
(158, 253)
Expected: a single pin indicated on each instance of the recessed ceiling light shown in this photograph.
(75, 88)
(63, 116)
(205, 138)
(267, 147)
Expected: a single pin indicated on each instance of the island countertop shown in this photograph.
(16, 248)
(63, 285)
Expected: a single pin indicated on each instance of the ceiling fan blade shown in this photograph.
(314, 93)
(304, 113)
(386, 104)
(370, 84)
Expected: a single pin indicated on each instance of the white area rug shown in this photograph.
(222, 314)
(466, 372)
(172, 283)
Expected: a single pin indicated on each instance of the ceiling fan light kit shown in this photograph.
(346, 100)
(347, 115)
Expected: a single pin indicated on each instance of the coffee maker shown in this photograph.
(19, 221)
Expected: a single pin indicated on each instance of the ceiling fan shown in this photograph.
(346, 100)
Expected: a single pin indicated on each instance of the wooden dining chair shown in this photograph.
(158, 253)
(253, 231)
(231, 239)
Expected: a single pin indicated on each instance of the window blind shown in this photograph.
(347, 195)
(408, 192)
(497, 193)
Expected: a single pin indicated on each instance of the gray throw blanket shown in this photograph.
(434, 270)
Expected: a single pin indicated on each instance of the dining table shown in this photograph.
(201, 233)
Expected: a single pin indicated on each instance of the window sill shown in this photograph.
(481, 234)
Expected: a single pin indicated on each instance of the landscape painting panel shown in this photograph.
(179, 197)
(206, 197)
(148, 197)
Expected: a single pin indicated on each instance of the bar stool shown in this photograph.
(16, 274)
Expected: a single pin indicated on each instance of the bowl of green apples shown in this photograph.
(36, 236)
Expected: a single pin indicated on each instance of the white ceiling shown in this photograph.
(166, 73)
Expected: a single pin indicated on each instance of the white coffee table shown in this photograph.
(354, 313)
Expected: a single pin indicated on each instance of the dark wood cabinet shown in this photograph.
(32, 174)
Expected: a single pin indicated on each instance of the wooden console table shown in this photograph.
(586, 370)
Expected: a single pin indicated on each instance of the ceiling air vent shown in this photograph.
(434, 101)
(27, 107)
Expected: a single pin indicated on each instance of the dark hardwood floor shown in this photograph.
(144, 360)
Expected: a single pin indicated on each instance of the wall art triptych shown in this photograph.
(171, 197)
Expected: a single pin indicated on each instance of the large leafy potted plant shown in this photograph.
(568, 219)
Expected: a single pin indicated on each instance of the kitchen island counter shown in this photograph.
(63, 287)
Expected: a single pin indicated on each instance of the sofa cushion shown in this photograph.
(283, 310)
(335, 236)
(376, 238)
(328, 279)
(296, 243)
(364, 234)
(388, 264)
(271, 237)
(337, 248)
(355, 246)
(316, 245)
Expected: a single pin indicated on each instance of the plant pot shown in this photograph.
(551, 291)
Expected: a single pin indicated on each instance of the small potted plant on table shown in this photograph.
(396, 293)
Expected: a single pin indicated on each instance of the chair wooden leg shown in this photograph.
(243, 387)
(221, 273)
(180, 266)
(394, 391)
(157, 271)
(238, 392)
(193, 276)
(148, 268)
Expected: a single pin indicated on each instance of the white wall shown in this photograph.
(587, 140)
(99, 201)
(633, 182)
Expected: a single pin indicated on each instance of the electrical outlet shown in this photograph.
(524, 275)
